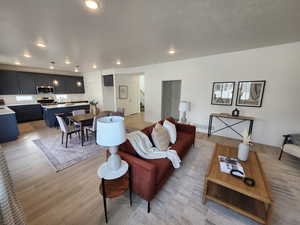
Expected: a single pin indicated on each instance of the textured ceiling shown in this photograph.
(140, 32)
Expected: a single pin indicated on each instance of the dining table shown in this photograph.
(86, 120)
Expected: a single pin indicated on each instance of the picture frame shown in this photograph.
(250, 93)
(123, 92)
(222, 93)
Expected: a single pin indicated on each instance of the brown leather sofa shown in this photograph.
(149, 175)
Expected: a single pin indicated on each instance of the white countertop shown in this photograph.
(5, 110)
(26, 103)
(64, 105)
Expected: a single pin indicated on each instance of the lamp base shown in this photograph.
(183, 118)
(114, 160)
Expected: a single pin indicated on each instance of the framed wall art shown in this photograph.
(222, 93)
(250, 93)
(123, 92)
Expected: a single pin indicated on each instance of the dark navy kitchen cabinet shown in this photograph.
(42, 80)
(49, 113)
(8, 82)
(16, 82)
(75, 85)
(25, 113)
(69, 85)
(26, 83)
(59, 84)
(8, 128)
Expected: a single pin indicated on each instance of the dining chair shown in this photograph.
(93, 128)
(77, 113)
(66, 130)
(291, 145)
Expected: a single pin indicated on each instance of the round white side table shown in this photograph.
(108, 174)
(114, 182)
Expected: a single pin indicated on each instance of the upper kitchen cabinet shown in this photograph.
(16, 82)
(8, 83)
(59, 83)
(42, 79)
(26, 83)
(73, 85)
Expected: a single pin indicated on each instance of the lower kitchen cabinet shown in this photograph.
(26, 113)
(8, 128)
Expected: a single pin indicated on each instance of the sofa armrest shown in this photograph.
(143, 175)
(186, 128)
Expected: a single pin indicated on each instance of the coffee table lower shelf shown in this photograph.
(243, 204)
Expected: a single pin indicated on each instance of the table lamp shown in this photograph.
(111, 133)
(184, 106)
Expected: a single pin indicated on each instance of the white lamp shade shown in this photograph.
(110, 131)
(184, 106)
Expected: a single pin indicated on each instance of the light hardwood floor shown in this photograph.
(70, 196)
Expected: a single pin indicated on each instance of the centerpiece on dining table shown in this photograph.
(93, 107)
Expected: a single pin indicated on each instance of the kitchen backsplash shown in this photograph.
(11, 99)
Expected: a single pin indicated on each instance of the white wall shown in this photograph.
(132, 104)
(278, 65)
(142, 82)
(93, 87)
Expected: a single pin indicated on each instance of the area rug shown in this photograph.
(60, 157)
(180, 199)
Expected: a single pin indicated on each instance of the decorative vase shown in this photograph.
(243, 152)
(93, 109)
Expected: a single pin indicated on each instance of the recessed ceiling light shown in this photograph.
(67, 61)
(172, 51)
(94, 66)
(76, 69)
(52, 65)
(92, 4)
(17, 62)
(41, 44)
(118, 62)
(27, 55)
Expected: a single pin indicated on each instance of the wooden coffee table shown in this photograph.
(254, 202)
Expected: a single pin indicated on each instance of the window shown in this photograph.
(24, 98)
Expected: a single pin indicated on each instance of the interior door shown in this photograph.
(171, 91)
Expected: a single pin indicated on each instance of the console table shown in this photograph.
(221, 116)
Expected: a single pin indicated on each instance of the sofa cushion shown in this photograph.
(171, 128)
(160, 137)
(163, 167)
(184, 142)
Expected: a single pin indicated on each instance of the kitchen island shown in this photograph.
(8, 125)
(50, 111)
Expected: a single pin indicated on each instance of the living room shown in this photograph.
(88, 136)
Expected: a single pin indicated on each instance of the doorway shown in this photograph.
(171, 91)
(129, 89)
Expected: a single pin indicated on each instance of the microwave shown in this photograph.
(44, 89)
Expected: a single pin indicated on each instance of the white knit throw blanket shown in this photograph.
(143, 146)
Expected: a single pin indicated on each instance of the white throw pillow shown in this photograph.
(171, 128)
